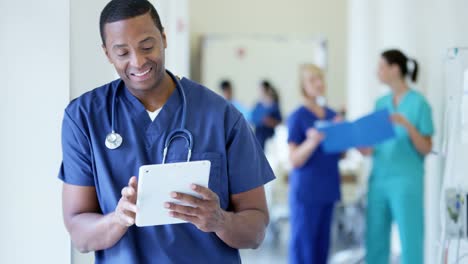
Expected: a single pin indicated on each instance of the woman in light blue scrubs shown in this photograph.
(266, 114)
(396, 184)
(99, 191)
(314, 180)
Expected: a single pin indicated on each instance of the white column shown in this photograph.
(175, 20)
(35, 89)
(362, 54)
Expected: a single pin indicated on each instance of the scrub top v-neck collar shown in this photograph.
(397, 107)
(319, 118)
(138, 111)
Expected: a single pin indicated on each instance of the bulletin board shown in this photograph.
(248, 59)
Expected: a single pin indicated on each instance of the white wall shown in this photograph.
(34, 91)
(321, 18)
(221, 60)
(423, 29)
(89, 66)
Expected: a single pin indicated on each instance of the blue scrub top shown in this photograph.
(318, 180)
(220, 134)
(259, 112)
(397, 159)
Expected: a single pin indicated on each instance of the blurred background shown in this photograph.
(51, 53)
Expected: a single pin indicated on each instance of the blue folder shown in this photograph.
(366, 131)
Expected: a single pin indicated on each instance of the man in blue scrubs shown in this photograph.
(99, 191)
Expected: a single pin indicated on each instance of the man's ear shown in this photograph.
(107, 53)
(164, 38)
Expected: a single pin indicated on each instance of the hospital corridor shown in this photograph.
(248, 131)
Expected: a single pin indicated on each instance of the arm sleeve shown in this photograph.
(248, 167)
(295, 132)
(76, 165)
(425, 124)
(256, 115)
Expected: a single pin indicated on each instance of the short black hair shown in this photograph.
(117, 10)
(225, 85)
(266, 85)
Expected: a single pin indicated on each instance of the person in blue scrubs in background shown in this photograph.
(314, 180)
(396, 183)
(266, 114)
(228, 94)
(99, 191)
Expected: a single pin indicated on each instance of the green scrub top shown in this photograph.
(397, 159)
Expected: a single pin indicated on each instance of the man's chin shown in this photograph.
(141, 88)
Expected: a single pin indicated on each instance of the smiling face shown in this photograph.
(135, 47)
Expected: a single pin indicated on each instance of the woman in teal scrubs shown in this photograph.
(397, 178)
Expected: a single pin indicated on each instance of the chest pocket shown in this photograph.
(214, 182)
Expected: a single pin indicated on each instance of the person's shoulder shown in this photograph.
(418, 98)
(417, 95)
(201, 92)
(385, 97)
(202, 97)
(92, 100)
(257, 106)
(297, 113)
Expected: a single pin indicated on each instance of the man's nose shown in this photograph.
(137, 60)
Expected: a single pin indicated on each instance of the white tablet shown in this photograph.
(155, 184)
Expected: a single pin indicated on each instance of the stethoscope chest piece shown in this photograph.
(113, 140)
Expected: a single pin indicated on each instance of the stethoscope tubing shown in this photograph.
(114, 139)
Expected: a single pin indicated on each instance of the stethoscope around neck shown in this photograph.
(114, 140)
